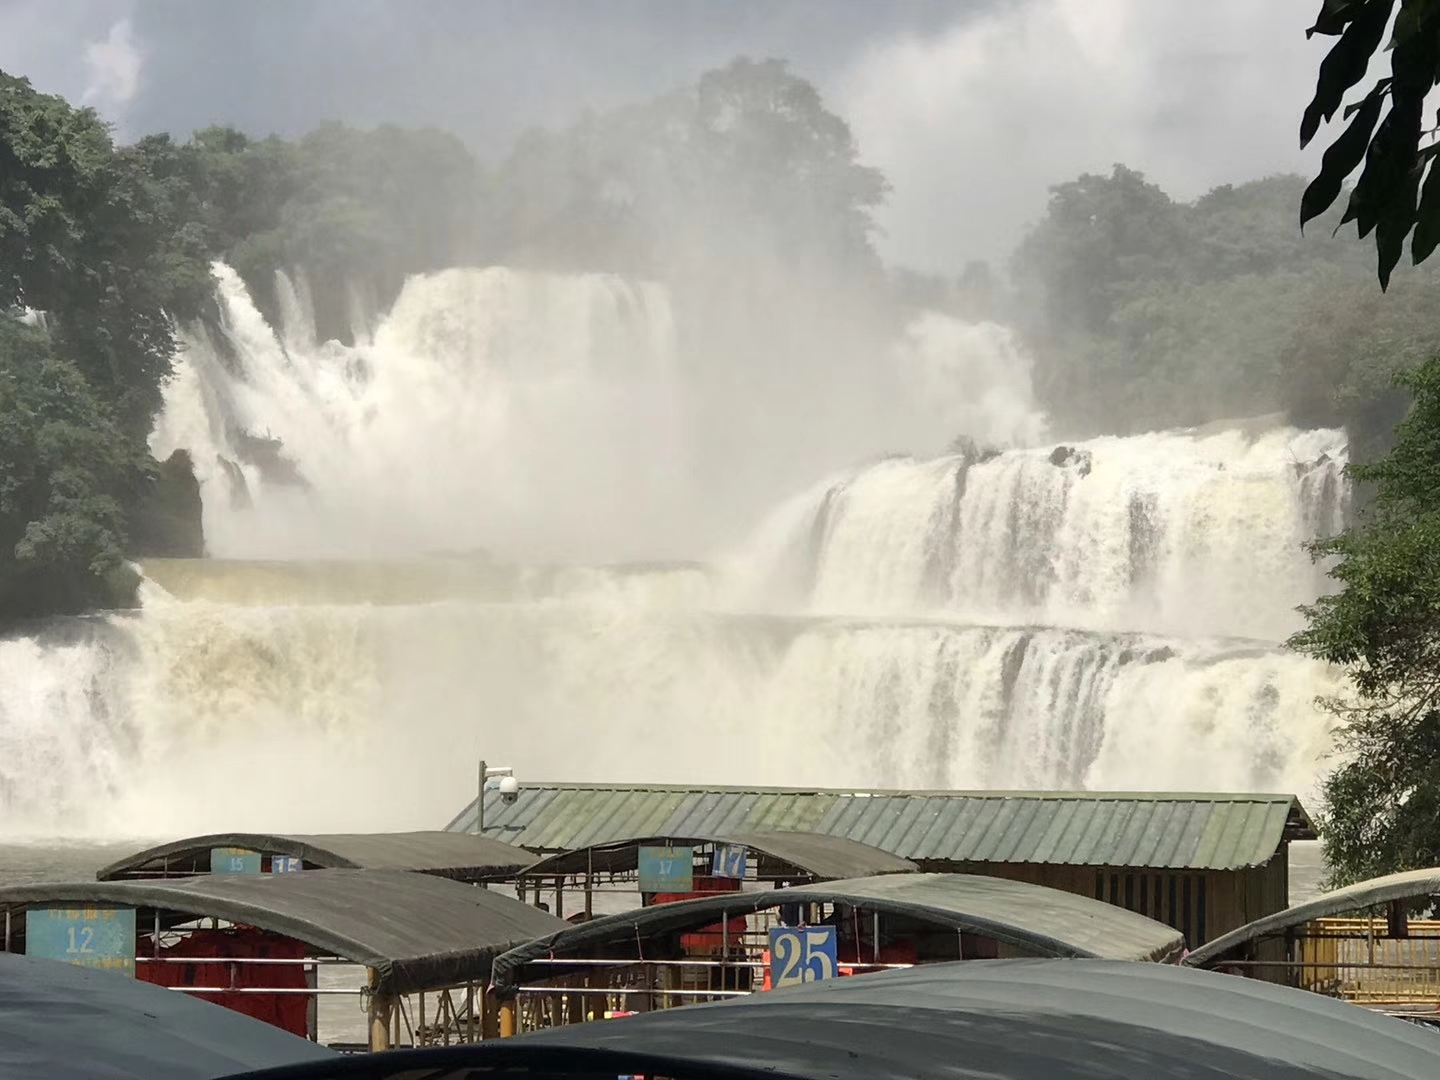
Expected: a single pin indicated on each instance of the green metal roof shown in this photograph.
(1201, 831)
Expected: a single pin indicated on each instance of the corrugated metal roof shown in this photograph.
(1163, 830)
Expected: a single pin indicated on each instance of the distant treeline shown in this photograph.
(1145, 312)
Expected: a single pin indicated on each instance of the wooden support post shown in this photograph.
(382, 1012)
(489, 1006)
(559, 897)
(1397, 920)
(576, 1002)
(507, 1018)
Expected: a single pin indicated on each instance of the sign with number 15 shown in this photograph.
(802, 954)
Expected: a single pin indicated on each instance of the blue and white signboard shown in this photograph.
(286, 864)
(802, 954)
(90, 937)
(234, 860)
(730, 861)
(667, 869)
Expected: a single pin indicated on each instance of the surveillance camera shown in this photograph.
(509, 789)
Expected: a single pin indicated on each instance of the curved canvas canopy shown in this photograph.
(812, 855)
(1039, 920)
(992, 1019)
(457, 855)
(1381, 890)
(61, 1021)
(415, 930)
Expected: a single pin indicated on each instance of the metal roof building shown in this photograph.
(1204, 863)
(1206, 831)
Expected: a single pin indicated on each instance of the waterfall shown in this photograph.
(458, 538)
(493, 408)
(1187, 533)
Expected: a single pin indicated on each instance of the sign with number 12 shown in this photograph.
(90, 937)
(802, 954)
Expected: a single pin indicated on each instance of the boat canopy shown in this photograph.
(1040, 920)
(1410, 885)
(64, 1022)
(992, 1019)
(416, 931)
(801, 854)
(448, 854)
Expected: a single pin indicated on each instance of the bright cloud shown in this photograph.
(113, 66)
(974, 124)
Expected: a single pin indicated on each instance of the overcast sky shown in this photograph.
(971, 107)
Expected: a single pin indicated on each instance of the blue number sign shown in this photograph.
(730, 861)
(802, 954)
(667, 869)
(90, 937)
(286, 864)
(234, 860)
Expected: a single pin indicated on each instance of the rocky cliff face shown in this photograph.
(166, 520)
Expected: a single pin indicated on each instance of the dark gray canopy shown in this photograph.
(1412, 884)
(1040, 920)
(813, 855)
(990, 1019)
(415, 930)
(60, 1022)
(446, 854)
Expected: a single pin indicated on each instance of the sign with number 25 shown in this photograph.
(801, 954)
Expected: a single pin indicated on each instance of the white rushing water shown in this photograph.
(1104, 614)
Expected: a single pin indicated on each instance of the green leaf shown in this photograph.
(1345, 64)
(1427, 217)
(1342, 156)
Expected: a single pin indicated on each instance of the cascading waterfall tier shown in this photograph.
(195, 715)
(1182, 533)
(1104, 614)
(492, 408)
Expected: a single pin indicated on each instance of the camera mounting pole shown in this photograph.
(485, 773)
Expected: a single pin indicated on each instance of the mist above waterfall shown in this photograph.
(538, 415)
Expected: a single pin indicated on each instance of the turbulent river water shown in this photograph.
(1102, 614)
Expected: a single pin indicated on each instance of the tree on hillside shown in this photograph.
(1099, 235)
(88, 238)
(101, 245)
(746, 165)
(1383, 801)
(1398, 190)
(62, 459)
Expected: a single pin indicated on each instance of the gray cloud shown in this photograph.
(971, 109)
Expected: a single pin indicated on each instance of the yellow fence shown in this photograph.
(1354, 959)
